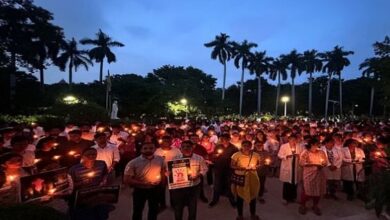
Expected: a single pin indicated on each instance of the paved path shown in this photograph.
(272, 209)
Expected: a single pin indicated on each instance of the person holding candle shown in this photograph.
(272, 145)
(167, 152)
(145, 174)
(188, 196)
(48, 157)
(71, 151)
(19, 144)
(88, 173)
(289, 170)
(222, 170)
(313, 160)
(333, 168)
(352, 171)
(379, 155)
(246, 162)
(10, 172)
(262, 171)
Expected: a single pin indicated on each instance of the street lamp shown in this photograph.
(184, 102)
(285, 99)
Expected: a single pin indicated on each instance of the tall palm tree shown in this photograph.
(102, 50)
(278, 70)
(73, 57)
(312, 63)
(259, 64)
(370, 69)
(242, 54)
(295, 63)
(221, 50)
(335, 60)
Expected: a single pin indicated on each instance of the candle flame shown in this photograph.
(91, 174)
(71, 153)
(35, 136)
(56, 157)
(267, 161)
(11, 178)
(52, 191)
(378, 153)
(36, 160)
(219, 151)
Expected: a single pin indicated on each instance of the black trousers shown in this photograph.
(289, 192)
(140, 196)
(331, 186)
(161, 194)
(240, 206)
(185, 197)
(222, 185)
(262, 179)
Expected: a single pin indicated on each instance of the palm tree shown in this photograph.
(73, 57)
(242, 53)
(221, 50)
(278, 69)
(102, 50)
(295, 62)
(259, 64)
(335, 60)
(370, 70)
(312, 63)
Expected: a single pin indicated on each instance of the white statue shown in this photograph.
(114, 110)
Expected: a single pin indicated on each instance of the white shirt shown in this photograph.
(114, 137)
(109, 154)
(168, 154)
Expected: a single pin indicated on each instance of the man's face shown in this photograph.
(89, 156)
(166, 142)
(101, 140)
(74, 137)
(147, 149)
(186, 149)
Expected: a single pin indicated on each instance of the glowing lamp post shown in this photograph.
(184, 102)
(285, 99)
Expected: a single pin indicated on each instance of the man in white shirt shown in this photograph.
(168, 153)
(118, 136)
(106, 152)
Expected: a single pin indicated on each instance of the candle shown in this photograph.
(35, 136)
(36, 160)
(321, 161)
(55, 144)
(91, 174)
(134, 134)
(101, 129)
(160, 141)
(51, 191)
(219, 151)
(71, 153)
(11, 178)
(56, 157)
(267, 161)
(33, 124)
(378, 154)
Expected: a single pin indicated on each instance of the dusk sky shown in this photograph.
(173, 32)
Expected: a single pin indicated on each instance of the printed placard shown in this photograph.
(179, 171)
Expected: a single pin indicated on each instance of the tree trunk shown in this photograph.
(310, 94)
(42, 78)
(327, 97)
(259, 95)
(101, 71)
(277, 96)
(372, 101)
(224, 80)
(293, 97)
(70, 72)
(241, 90)
(341, 95)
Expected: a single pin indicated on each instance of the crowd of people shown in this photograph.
(313, 159)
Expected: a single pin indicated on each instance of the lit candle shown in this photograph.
(126, 129)
(11, 178)
(51, 191)
(158, 177)
(36, 160)
(321, 161)
(378, 154)
(219, 151)
(56, 157)
(55, 144)
(101, 129)
(71, 153)
(91, 174)
(267, 161)
(134, 134)
(160, 141)
(35, 136)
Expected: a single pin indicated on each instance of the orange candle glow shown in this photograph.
(35, 136)
(11, 178)
(71, 153)
(219, 151)
(91, 174)
(378, 154)
(56, 157)
(160, 141)
(36, 160)
(267, 161)
(51, 191)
